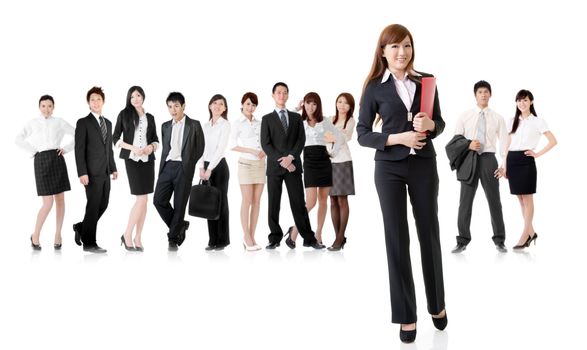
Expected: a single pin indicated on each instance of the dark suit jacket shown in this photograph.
(462, 158)
(125, 125)
(93, 156)
(276, 143)
(383, 99)
(192, 145)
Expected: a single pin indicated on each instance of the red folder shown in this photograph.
(427, 97)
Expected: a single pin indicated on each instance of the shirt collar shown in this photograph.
(479, 109)
(48, 118)
(220, 121)
(387, 73)
(244, 118)
(277, 110)
(181, 121)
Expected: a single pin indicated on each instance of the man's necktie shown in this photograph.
(103, 128)
(283, 119)
(481, 128)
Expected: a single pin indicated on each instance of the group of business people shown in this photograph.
(185, 143)
(405, 164)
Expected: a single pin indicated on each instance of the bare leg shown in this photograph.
(322, 208)
(42, 216)
(141, 205)
(133, 219)
(247, 194)
(528, 214)
(255, 207)
(59, 215)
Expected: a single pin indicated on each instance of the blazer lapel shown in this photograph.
(280, 126)
(415, 108)
(95, 123)
(395, 95)
(166, 131)
(186, 133)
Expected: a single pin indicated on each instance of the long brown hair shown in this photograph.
(313, 97)
(522, 94)
(351, 101)
(391, 34)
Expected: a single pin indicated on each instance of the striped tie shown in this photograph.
(481, 128)
(283, 119)
(103, 128)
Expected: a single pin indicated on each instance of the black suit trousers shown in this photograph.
(97, 195)
(297, 202)
(218, 230)
(419, 176)
(172, 181)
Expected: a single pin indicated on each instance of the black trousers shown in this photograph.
(420, 177)
(297, 203)
(172, 181)
(486, 165)
(218, 230)
(97, 195)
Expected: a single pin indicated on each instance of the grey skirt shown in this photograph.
(343, 180)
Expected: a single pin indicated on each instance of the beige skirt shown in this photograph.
(251, 171)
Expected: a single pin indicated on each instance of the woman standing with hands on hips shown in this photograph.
(520, 169)
(137, 145)
(405, 162)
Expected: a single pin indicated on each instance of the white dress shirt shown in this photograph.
(176, 140)
(344, 155)
(315, 135)
(43, 134)
(528, 134)
(246, 134)
(406, 89)
(216, 138)
(495, 129)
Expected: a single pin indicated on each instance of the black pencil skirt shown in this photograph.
(141, 176)
(317, 167)
(50, 173)
(521, 173)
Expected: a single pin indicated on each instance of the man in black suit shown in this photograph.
(95, 162)
(183, 145)
(282, 139)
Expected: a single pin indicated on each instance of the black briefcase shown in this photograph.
(205, 201)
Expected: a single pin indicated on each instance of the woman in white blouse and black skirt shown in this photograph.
(41, 138)
(215, 169)
(317, 165)
(138, 144)
(246, 139)
(343, 181)
(520, 169)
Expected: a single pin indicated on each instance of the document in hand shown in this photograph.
(427, 98)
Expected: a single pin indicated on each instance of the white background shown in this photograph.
(302, 298)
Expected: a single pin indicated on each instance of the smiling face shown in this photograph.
(342, 106)
(175, 110)
(523, 105)
(46, 108)
(280, 96)
(310, 107)
(248, 108)
(96, 102)
(217, 108)
(398, 55)
(136, 99)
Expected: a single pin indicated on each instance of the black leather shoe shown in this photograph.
(220, 247)
(77, 228)
(315, 245)
(181, 235)
(272, 245)
(501, 248)
(459, 248)
(407, 336)
(288, 241)
(440, 323)
(35, 246)
(94, 249)
(210, 247)
(172, 247)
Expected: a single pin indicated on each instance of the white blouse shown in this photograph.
(246, 134)
(315, 135)
(43, 134)
(344, 155)
(216, 138)
(528, 133)
(139, 140)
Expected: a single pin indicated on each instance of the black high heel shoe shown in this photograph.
(334, 248)
(440, 322)
(407, 336)
(122, 241)
(35, 246)
(527, 243)
(288, 241)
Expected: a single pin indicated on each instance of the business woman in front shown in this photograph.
(404, 159)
